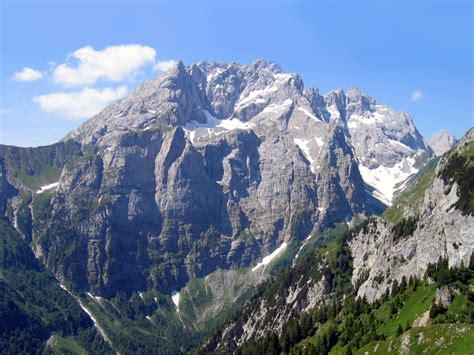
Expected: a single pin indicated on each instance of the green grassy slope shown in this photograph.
(33, 306)
(404, 320)
(35, 167)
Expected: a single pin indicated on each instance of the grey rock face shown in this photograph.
(387, 144)
(378, 258)
(210, 166)
(443, 296)
(441, 142)
(442, 231)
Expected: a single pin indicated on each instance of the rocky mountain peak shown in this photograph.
(209, 98)
(442, 141)
(358, 102)
(266, 64)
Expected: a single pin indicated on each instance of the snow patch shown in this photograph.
(277, 107)
(255, 95)
(97, 298)
(307, 113)
(89, 313)
(302, 246)
(94, 320)
(281, 77)
(400, 144)
(334, 112)
(175, 298)
(260, 96)
(266, 260)
(47, 187)
(385, 179)
(303, 144)
(214, 126)
(367, 119)
(352, 124)
(214, 74)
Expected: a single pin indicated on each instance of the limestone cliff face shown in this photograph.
(441, 230)
(209, 166)
(379, 252)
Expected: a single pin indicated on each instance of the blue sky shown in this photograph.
(415, 56)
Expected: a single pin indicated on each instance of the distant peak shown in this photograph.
(354, 90)
(442, 141)
(267, 64)
(442, 132)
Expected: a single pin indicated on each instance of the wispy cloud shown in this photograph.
(416, 95)
(86, 65)
(27, 74)
(164, 65)
(79, 104)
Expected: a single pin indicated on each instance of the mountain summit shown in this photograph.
(209, 99)
(441, 142)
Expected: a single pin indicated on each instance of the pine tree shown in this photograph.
(403, 284)
(394, 290)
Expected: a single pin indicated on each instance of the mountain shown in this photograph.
(209, 150)
(400, 270)
(441, 142)
(192, 184)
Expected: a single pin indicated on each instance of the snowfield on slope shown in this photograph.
(385, 180)
(266, 260)
(213, 126)
(175, 298)
(47, 187)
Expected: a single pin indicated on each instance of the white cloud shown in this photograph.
(114, 63)
(27, 74)
(80, 104)
(416, 95)
(3, 111)
(164, 65)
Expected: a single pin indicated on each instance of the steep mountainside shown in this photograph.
(430, 224)
(35, 312)
(432, 220)
(163, 185)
